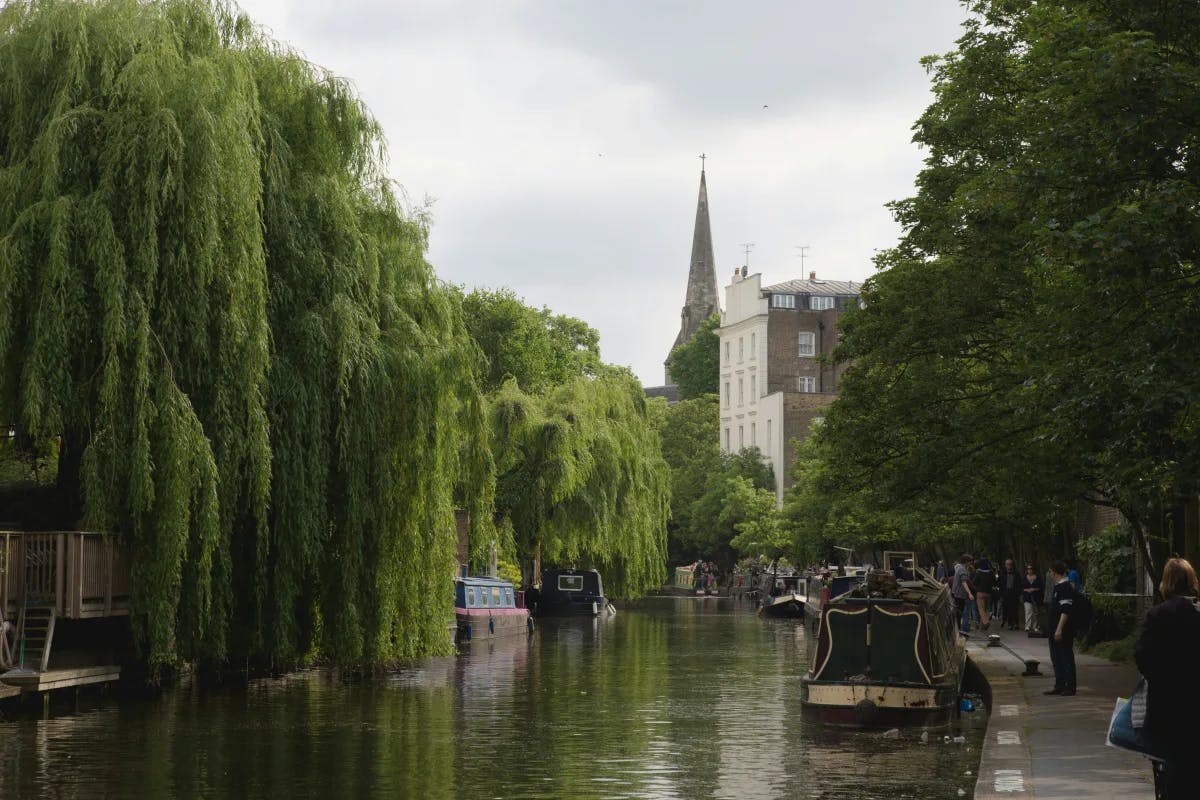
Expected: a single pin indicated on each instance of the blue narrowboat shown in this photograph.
(488, 607)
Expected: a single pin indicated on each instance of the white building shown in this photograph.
(773, 383)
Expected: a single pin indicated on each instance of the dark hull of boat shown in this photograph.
(475, 627)
(789, 608)
(589, 608)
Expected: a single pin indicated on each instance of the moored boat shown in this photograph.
(486, 607)
(571, 592)
(784, 597)
(888, 653)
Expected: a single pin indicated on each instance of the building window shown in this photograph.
(820, 303)
(769, 442)
(741, 394)
(753, 433)
(727, 394)
(741, 437)
(753, 388)
(727, 440)
(808, 344)
(807, 383)
(783, 301)
(741, 348)
(753, 345)
(727, 352)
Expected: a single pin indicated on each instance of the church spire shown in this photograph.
(700, 303)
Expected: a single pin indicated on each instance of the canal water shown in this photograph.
(677, 698)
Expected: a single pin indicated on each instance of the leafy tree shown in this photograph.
(535, 347)
(581, 478)
(715, 514)
(752, 513)
(1025, 344)
(209, 290)
(689, 434)
(695, 365)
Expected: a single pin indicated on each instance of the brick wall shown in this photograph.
(785, 364)
(799, 410)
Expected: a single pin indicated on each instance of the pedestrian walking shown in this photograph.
(1060, 629)
(960, 590)
(1167, 652)
(1031, 595)
(985, 583)
(1009, 584)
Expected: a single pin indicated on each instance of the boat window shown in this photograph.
(470, 597)
(483, 597)
(496, 602)
(570, 583)
(509, 598)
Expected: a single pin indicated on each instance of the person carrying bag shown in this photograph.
(1126, 728)
(1167, 652)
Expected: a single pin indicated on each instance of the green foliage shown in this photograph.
(28, 460)
(1116, 650)
(689, 433)
(752, 513)
(509, 571)
(695, 365)
(1027, 341)
(535, 347)
(1108, 560)
(207, 282)
(730, 497)
(580, 474)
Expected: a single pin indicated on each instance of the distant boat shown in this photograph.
(888, 653)
(784, 596)
(485, 608)
(570, 593)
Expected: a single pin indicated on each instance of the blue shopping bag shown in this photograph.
(1122, 734)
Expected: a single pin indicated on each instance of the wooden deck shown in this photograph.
(82, 574)
(31, 681)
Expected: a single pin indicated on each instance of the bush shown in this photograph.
(1114, 618)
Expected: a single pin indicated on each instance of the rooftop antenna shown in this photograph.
(803, 248)
(747, 247)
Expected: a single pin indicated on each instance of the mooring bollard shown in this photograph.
(1031, 667)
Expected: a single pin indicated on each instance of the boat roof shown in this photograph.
(483, 580)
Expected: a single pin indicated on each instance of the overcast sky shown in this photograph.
(558, 140)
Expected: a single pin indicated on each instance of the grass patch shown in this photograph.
(1118, 650)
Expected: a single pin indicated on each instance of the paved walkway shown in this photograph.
(1053, 747)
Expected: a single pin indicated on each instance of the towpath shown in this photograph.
(1046, 747)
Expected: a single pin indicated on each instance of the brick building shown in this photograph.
(773, 384)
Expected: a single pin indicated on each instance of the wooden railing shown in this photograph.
(81, 573)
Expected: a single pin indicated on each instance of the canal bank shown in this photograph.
(1044, 747)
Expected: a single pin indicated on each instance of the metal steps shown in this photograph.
(36, 635)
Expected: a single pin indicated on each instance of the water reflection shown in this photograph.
(678, 699)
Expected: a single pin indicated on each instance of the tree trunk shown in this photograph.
(68, 510)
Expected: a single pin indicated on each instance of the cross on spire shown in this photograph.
(702, 157)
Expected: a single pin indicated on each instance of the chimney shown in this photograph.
(812, 276)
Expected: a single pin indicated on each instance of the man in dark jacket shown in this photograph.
(1061, 631)
(1167, 653)
(1009, 584)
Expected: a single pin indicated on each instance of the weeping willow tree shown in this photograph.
(580, 475)
(210, 292)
